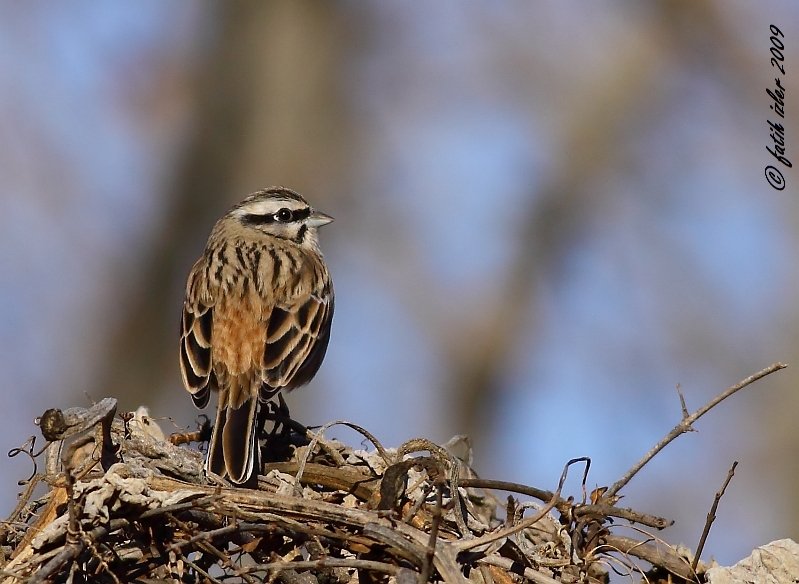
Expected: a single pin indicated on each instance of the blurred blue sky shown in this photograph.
(684, 272)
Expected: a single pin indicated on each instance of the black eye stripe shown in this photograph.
(301, 214)
(253, 219)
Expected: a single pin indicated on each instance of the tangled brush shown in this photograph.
(124, 503)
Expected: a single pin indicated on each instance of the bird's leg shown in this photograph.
(283, 411)
(262, 418)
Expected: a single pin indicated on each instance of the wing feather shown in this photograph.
(317, 351)
(299, 336)
(195, 351)
(280, 321)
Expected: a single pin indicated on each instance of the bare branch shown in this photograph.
(711, 517)
(685, 425)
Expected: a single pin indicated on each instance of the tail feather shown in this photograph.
(215, 462)
(233, 451)
(238, 441)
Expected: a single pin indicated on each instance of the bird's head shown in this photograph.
(280, 212)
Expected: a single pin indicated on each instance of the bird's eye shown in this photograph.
(284, 215)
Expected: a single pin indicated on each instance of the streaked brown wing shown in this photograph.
(195, 351)
(296, 342)
(316, 354)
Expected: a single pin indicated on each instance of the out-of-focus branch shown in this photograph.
(479, 344)
(559, 213)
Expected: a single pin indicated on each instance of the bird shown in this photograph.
(256, 319)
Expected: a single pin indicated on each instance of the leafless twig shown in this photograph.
(424, 575)
(711, 517)
(563, 504)
(685, 425)
(661, 556)
(325, 563)
(525, 523)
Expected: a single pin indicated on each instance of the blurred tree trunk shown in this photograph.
(481, 355)
(481, 350)
(267, 112)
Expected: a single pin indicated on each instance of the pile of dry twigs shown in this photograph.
(124, 503)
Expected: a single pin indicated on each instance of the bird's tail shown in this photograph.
(233, 451)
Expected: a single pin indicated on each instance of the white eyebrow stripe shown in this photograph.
(268, 207)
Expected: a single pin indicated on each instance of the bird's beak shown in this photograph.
(317, 219)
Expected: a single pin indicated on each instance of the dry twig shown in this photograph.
(685, 424)
(711, 516)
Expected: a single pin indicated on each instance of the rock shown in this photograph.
(773, 563)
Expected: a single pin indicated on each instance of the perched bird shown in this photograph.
(256, 319)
